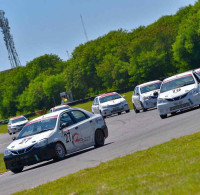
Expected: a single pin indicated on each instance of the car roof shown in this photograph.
(56, 114)
(60, 106)
(149, 83)
(197, 70)
(17, 117)
(188, 73)
(107, 94)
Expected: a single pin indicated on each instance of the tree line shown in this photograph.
(117, 60)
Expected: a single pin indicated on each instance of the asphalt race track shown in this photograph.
(127, 133)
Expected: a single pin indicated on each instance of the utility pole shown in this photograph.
(67, 54)
(84, 28)
(12, 53)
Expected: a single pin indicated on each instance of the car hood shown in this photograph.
(177, 92)
(113, 102)
(19, 123)
(150, 93)
(28, 141)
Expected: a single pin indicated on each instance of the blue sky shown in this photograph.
(48, 26)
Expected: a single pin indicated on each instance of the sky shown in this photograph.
(54, 27)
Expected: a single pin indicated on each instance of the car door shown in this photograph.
(86, 127)
(70, 133)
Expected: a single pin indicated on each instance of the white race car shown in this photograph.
(61, 107)
(178, 92)
(110, 103)
(54, 135)
(16, 124)
(145, 96)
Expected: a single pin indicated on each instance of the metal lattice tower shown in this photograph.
(12, 53)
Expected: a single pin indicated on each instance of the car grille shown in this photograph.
(179, 106)
(176, 98)
(22, 151)
(112, 106)
(153, 97)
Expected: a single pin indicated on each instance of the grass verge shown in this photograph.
(2, 164)
(4, 128)
(169, 168)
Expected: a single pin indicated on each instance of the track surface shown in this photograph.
(127, 133)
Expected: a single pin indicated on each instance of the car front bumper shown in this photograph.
(151, 103)
(174, 106)
(35, 155)
(113, 110)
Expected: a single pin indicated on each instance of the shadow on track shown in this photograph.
(42, 164)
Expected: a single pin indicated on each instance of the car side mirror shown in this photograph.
(123, 96)
(63, 125)
(14, 138)
(137, 94)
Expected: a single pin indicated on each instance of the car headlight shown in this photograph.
(161, 101)
(41, 143)
(124, 103)
(7, 152)
(194, 91)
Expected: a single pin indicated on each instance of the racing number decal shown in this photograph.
(67, 136)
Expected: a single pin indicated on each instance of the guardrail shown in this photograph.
(31, 114)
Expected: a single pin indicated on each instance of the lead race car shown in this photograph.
(145, 95)
(54, 135)
(110, 103)
(179, 92)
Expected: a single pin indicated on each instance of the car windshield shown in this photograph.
(18, 120)
(150, 87)
(62, 108)
(176, 83)
(37, 127)
(109, 98)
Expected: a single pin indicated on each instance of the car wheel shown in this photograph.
(99, 138)
(119, 113)
(17, 170)
(136, 111)
(163, 116)
(59, 151)
(143, 108)
(127, 111)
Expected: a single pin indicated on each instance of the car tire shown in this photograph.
(163, 116)
(99, 138)
(59, 152)
(143, 108)
(127, 111)
(134, 108)
(17, 170)
(119, 113)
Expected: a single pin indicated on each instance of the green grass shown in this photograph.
(2, 164)
(4, 128)
(169, 168)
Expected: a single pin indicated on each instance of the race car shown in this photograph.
(145, 95)
(110, 103)
(54, 135)
(178, 92)
(16, 124)
(57, 108)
